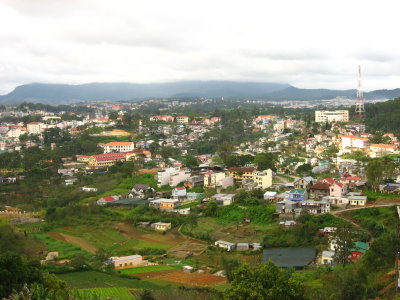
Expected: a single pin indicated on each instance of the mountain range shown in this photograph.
(64, 93)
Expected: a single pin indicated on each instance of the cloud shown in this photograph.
(309, 44)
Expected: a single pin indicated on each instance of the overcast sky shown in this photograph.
(306, 43)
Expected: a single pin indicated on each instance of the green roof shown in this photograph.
(290, 257)
(298, 191)
(361, 247)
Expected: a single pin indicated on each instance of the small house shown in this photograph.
(161, 226)
(188, 269)
(327, 257)
(269, 196)
(298, 195)
(285, 206)
(106, 200)
(225, 245)
(320, 190)
(179, 193)
(242, 246)
(121, 262)
(357, 200)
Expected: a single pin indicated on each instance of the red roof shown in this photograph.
(109, 198)
(109, 156)
(329, 180)
(352, 178)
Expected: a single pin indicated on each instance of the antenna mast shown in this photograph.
(360, 109)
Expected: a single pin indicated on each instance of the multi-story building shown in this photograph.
(213, 179)
(105, 160)
(182, 119)
(117, 147)
(250, 175)
(323, 116)
(35, 127)
(165, 118)
(379, 150)
(351, 141)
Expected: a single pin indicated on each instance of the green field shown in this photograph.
(93, 279)
(64, 249)
(111, 240)
(149, 269)
(119, 293)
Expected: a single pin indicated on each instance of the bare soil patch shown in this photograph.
(178, 276)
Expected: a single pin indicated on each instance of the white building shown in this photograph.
(127, 261)
(117, 147)
(35, 127)
(351, 141)
(323, 116)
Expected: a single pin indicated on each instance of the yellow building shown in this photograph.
(182, 119)
(122, 262)
(250, 174)
(105, 160)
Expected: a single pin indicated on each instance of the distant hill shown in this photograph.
(64, 93)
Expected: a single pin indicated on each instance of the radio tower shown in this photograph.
(360, 110)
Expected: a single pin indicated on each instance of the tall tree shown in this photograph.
(266, 281)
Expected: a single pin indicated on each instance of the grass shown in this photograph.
(33, 227)
(93, 279)
(64, 249)
(377, 196)
(119, 293)
(147, 269)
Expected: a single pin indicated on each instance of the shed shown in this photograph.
(242, 246)
(188, 269)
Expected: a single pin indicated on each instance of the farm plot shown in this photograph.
(147, 269)
(178, 276)
(103, 293)
(188, 248)
(117, 241)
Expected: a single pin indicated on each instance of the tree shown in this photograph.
(266, 281)
(191, 221)
(211, 208)
(229, 265)
(304, 169)
(190, 162)
(265, 161)
(14, 273)
(378, 170)
(224, 150)
(343, 238)
(146, 295)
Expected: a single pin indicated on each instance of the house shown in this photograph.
(161, 226)
(192, 196)
(379, 150)
(142, 189)
(121, 262)
(164, 204)
(359, 249)
(320, 190)
(337, 189)
(224, 199)
(89, 189)
(327, 257)
(187, 269)
(303, 183)
(316, 207)
(286, 206)
(179, 193)
(194, 180)
(298, 195)
(225, 245)
(269, 196)
(117, 147)
(357, 200)
(242, 246)
(107, 199)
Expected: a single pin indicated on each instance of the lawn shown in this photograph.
(93, 279)
(147, 269)
(119, 293)
(376, 196)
